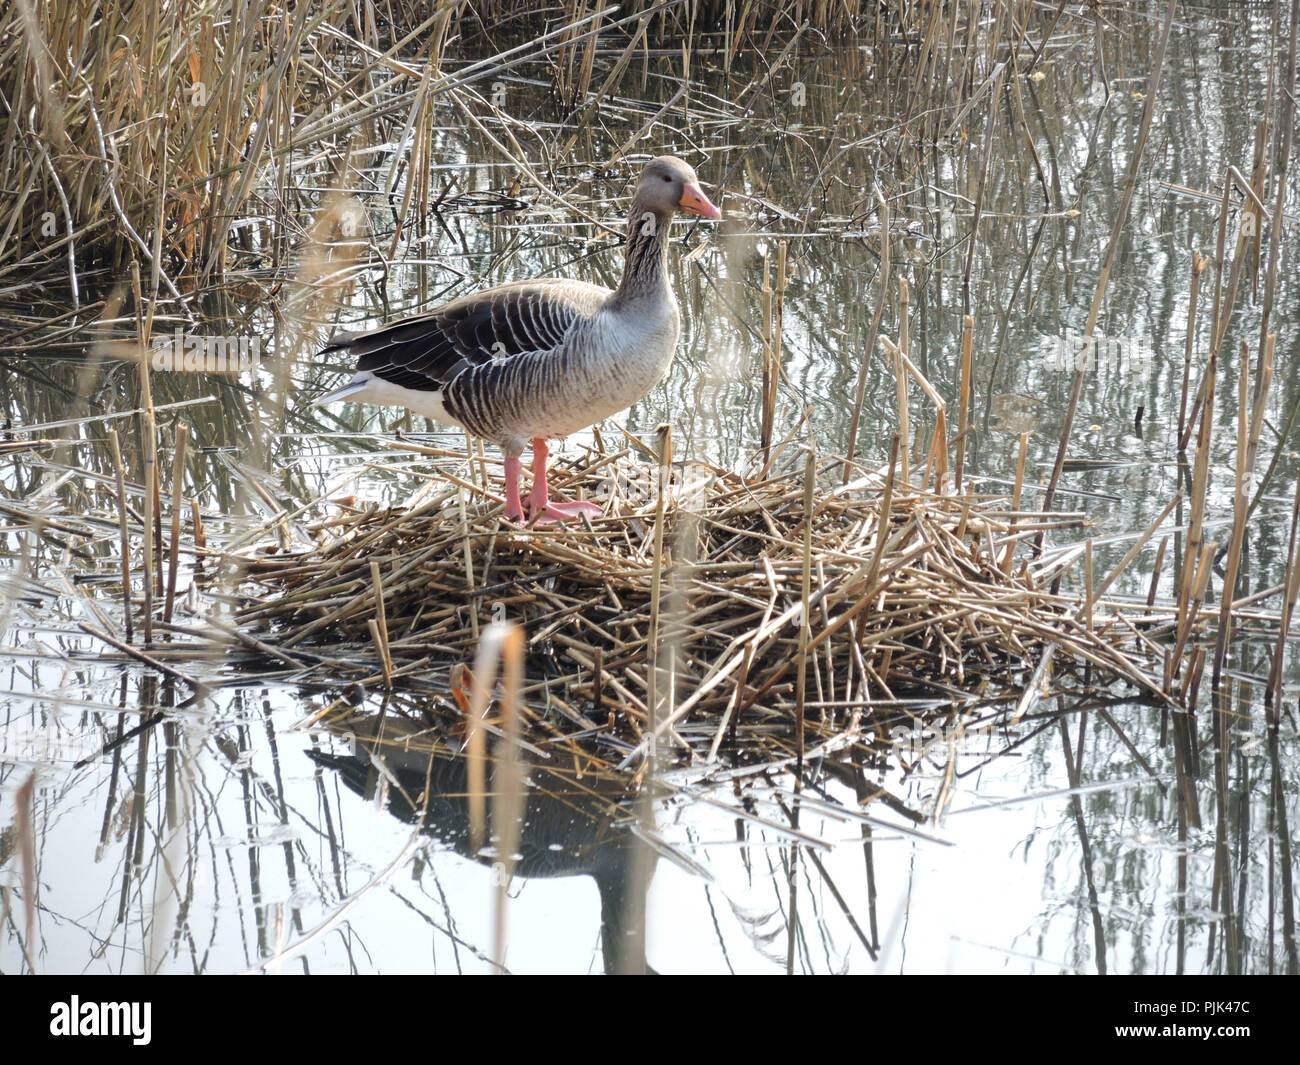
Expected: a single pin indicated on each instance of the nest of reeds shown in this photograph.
(719, 601)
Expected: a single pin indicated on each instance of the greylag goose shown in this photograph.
(537, 360)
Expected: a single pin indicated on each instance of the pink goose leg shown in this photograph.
(542, 508)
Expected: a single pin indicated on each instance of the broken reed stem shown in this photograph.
(1292, 585)
(937, 458)
(1200, 491)
(1199, 263)
(1249, 425)
(468, 553)
(1238, 522)
(805, 596)
(869, 350)
(178, 499)
(1198, 571)
(773, 326)
(1158, 567)
(904, 316)
(1108, 261)
(1223, 306)
(119, 473)
(379, 624)
(1087, 586)
(964, 398)
(1254, 206)
(25, 829)
(200, 536)
(765, 419)
(1259, 403)
(938, 454)
(886, 507)
(900, 384)
(782, 283)
(149, 456)
(469, 450)
(778, 334)
(481, 451)
(654, 699)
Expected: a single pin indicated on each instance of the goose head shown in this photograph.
(669, 184)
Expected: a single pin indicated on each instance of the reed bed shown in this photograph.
(199, 143)
(774, 599)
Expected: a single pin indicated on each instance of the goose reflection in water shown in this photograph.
(573, 825)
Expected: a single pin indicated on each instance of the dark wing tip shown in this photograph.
(340, 341)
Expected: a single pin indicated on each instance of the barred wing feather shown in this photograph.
(427, 352)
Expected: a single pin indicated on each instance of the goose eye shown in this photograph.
(667, 178)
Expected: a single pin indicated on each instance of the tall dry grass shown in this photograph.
(150, 132)
(170, 134)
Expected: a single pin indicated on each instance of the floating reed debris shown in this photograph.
(841, 601)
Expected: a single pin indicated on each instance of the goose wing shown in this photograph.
(428, 351)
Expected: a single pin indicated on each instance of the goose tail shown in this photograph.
(351, 390)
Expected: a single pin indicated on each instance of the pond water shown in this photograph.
(234, 834)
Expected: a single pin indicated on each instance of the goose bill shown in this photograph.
(694, 201)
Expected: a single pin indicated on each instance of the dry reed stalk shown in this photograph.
(1248, 429)
(964, 398)
(468, 555)
(1224, 305)
(870, 347)
(379, 624)
(590, 110)
(149, 456)
(25, 828)
(149, 660)
(1259, 403)
(1199, 263)
(773, 330)
(1189, 609)
(899, 356)
(805, 619)
(1200, 490)
(119, 472)
(178, 489)
(1255, 210)
(938, 453)
(1291, 593)
(200, 534)
(654, 699)
(767, 405)
(1087, 586)
(1156, 569)
(782, 283)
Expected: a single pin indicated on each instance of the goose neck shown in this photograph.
(645, 271)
